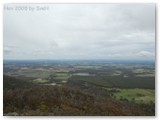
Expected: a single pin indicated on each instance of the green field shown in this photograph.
(39, 80)
(62, 75)
(42, 74)
(136, 95)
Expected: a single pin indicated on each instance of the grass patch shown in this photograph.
(146, 75)
(136, 95)
(116, 73)
(61, 76)
(39, 80)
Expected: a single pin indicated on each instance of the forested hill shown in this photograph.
(25, 98)
(15, 83)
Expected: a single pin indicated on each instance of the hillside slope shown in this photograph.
(52, 100)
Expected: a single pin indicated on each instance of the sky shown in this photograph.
(79, 31)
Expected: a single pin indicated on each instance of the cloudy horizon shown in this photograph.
(79, 31)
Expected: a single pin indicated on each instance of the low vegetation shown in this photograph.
(79, 88)
(54, 100)
(141, 96)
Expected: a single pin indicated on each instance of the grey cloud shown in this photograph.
(145, 54)
(77, 30)
(7, 50)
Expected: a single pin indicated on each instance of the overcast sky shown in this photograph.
(80, 31)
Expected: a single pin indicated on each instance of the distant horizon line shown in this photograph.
(78, 59)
